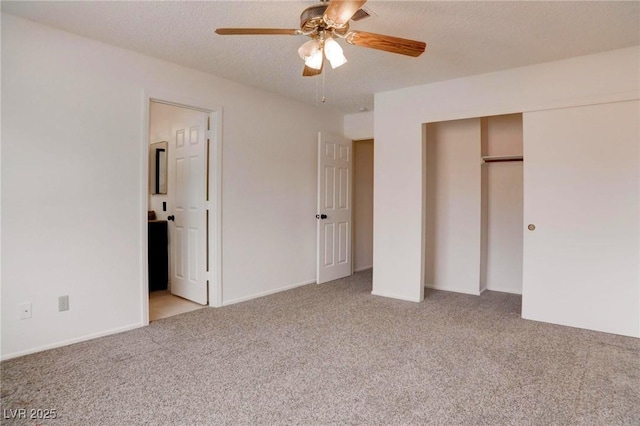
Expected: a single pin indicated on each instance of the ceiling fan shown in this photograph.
(324, 23)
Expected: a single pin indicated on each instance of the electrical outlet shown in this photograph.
(25, 310)
(63, 303)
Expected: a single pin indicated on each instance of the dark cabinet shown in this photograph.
(158, 255)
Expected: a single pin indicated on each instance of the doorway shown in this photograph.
(183, 206)
(345, 207)
(362, 205)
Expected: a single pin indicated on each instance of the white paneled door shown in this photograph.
(189, 233)
(335, 159)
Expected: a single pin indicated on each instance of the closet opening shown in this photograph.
(473, 221)
(502, 203)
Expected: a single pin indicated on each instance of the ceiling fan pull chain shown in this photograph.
(317, 91)
(323, 98)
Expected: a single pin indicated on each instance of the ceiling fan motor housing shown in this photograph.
(312, 20)
(311, 17)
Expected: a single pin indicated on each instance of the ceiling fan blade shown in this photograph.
(257, 31)
(387, 43)
(310, 72)
(340, 11)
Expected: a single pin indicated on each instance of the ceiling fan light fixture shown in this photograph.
(307, 49)
(334, 53)
(314, 61)
(311, 54)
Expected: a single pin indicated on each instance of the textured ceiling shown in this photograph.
(463, 38)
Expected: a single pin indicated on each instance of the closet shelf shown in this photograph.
(501, 158)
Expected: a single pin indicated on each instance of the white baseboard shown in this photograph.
(395, 296)
(505, 290)
(453, 290)
(363, 268)
(266, 293)
(72, 341)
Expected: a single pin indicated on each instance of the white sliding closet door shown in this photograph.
(581, 191)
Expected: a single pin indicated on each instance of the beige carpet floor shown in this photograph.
(335, 354)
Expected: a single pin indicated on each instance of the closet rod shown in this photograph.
(502, 160)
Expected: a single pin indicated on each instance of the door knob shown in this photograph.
(321, 216)
(171, 218)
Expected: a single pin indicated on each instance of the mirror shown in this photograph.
(158, 167)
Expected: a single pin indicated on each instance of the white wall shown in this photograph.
(399, 193)
(502, 135)
(74, 192)
(358, 126)
(362, 205)
(452, 225)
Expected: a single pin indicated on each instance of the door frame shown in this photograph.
(213, 205)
